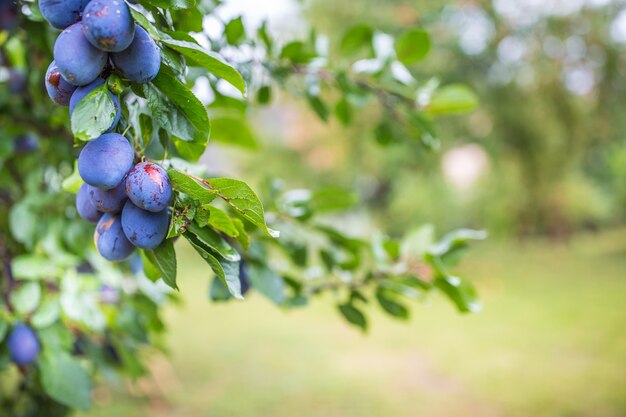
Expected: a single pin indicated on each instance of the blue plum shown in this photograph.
(109, 295)
(62, 13)
(59, 90)
(78, 61)
(25, 143)
(8, 14)
(244, 279)
(139, 63)
(81, 92)
(108, 201)
(110, 239)
(17, 81)
(148, 186)
(85, 207)
(144, 229)
(136, 263)
(108, 25)
(104, 162)
(23, 345)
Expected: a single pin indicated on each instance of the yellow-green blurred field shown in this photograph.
(551, 341)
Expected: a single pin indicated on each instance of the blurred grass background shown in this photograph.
(549, 342)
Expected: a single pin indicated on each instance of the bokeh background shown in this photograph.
(541, 165)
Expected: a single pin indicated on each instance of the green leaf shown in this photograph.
(169, 116)
(298, 52)
(72, 183)
(46, 314)
(265, 281)
(391, 306)
(164, 258)
(413, 46)
(233, 131)
(4, 329)
(181, 96)
(331, 198)
(218, 291)
(217, 219)
(213, 241)
(353, 315)
(451, 247)
(343, 111)
(200, 57)
(188, 20)
(240, 197)
(170, 4)
(461, 292)
(453, 98)
(26, 297)
(242, 237)
(145, 23)
(264, 95)
(191, 151)
(227, 272)
(93, 115)
(192, 187)
(417, 242)
(149, 269)
(235, 31)
(147, 129)
(63, 379)
(34, 267)
(319, 107)
(356, 38)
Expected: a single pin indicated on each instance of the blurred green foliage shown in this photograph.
(548, 139)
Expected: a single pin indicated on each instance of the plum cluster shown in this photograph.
(97, 35)
(128, 202)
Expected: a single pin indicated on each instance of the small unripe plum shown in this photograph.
(25, 143)
(115, 84)
(109, 295)
(8, 14)
(17, 81)
(81, 93)
(108, 201)
(244, 279)
(104, 162)
(110, 239)
(108, 25)
(85, 268)
(62, 13)
(144, 229)
(79, 61)
(148, 186)
(85, 208)
(23, 345)
(136, 263)
(59, 90)
(141, 61)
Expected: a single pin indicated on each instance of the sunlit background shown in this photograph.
(541, 165)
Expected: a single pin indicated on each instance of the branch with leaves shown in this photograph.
(86, 316)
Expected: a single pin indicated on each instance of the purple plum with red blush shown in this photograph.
(108, 25)
(148, 186)
(59, 90)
